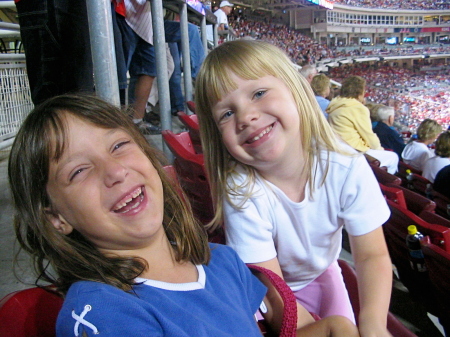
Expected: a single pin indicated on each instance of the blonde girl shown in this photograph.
(284, 186)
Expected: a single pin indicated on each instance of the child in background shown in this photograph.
(440, 160)
(285, 187)
(93, 201)
(416, 152)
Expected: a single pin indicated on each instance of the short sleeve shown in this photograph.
(102, 310)
(249, 227)
(254, 289)
(363, 207)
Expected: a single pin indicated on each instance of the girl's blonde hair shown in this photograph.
(43, 139)
(251, 60)
(428, 129)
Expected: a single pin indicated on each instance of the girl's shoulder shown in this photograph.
(345, 158)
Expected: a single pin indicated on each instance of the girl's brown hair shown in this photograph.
(42, 139)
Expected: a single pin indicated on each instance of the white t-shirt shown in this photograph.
(306, 236)
(416, 154)
(433, 166)
(221, 17)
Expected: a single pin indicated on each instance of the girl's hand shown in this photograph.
(332, 326)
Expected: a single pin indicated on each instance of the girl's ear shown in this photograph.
(58, 221)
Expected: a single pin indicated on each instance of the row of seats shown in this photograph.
(416, 187)
(411, 208)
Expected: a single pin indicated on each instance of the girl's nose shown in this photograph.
(246, 116)
(115, 173)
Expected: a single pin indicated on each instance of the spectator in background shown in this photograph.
(373, 107)
(416, 152)
(320, 84)
(350, 119)
(309, 71)
(384, 129)
(440, 160)
(442, 181)
(55, 36)
(222, 16)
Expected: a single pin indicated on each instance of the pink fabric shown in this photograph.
(326, 295)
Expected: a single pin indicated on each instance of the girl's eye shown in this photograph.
(120, 144)
(259, 94)
(227, 114)
(78, 171)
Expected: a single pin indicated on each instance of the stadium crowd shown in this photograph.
(416, 96)
(393, 4)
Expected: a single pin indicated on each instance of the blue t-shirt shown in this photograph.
(221, 303)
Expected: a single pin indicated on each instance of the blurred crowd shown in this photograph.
(415, 95)
(393, 4)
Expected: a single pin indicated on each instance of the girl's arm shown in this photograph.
(333, 326)
(303, 316)
(374, 273)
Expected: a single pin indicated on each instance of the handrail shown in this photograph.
(7, 4)
(9, 26)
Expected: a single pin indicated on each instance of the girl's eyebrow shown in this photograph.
(65, 160)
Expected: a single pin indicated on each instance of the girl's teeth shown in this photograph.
(126, 201)
(265, 131)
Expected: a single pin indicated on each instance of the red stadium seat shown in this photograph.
(438, 265)
(442, 204)
(415, 202)
(191, 106)
(434, 218)
(394, 194)
(372, 160)
(29, 313)
(402, 167)
(395, 230)
(191, 123)
(395, 327)
(191, 173)
(384, 177)
(419, 184)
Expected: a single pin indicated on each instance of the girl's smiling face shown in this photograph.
(105, 187)
(259, 122)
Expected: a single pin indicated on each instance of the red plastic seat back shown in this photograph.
(442, 204)
(434, 218)
(191, 106)
(415, 202)
(438, 265)
(401, 218)
(402, 167)
(394, 194)
(191, 174)
(28, 313)
(372, 160)
(191, 123)
(384, 177)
